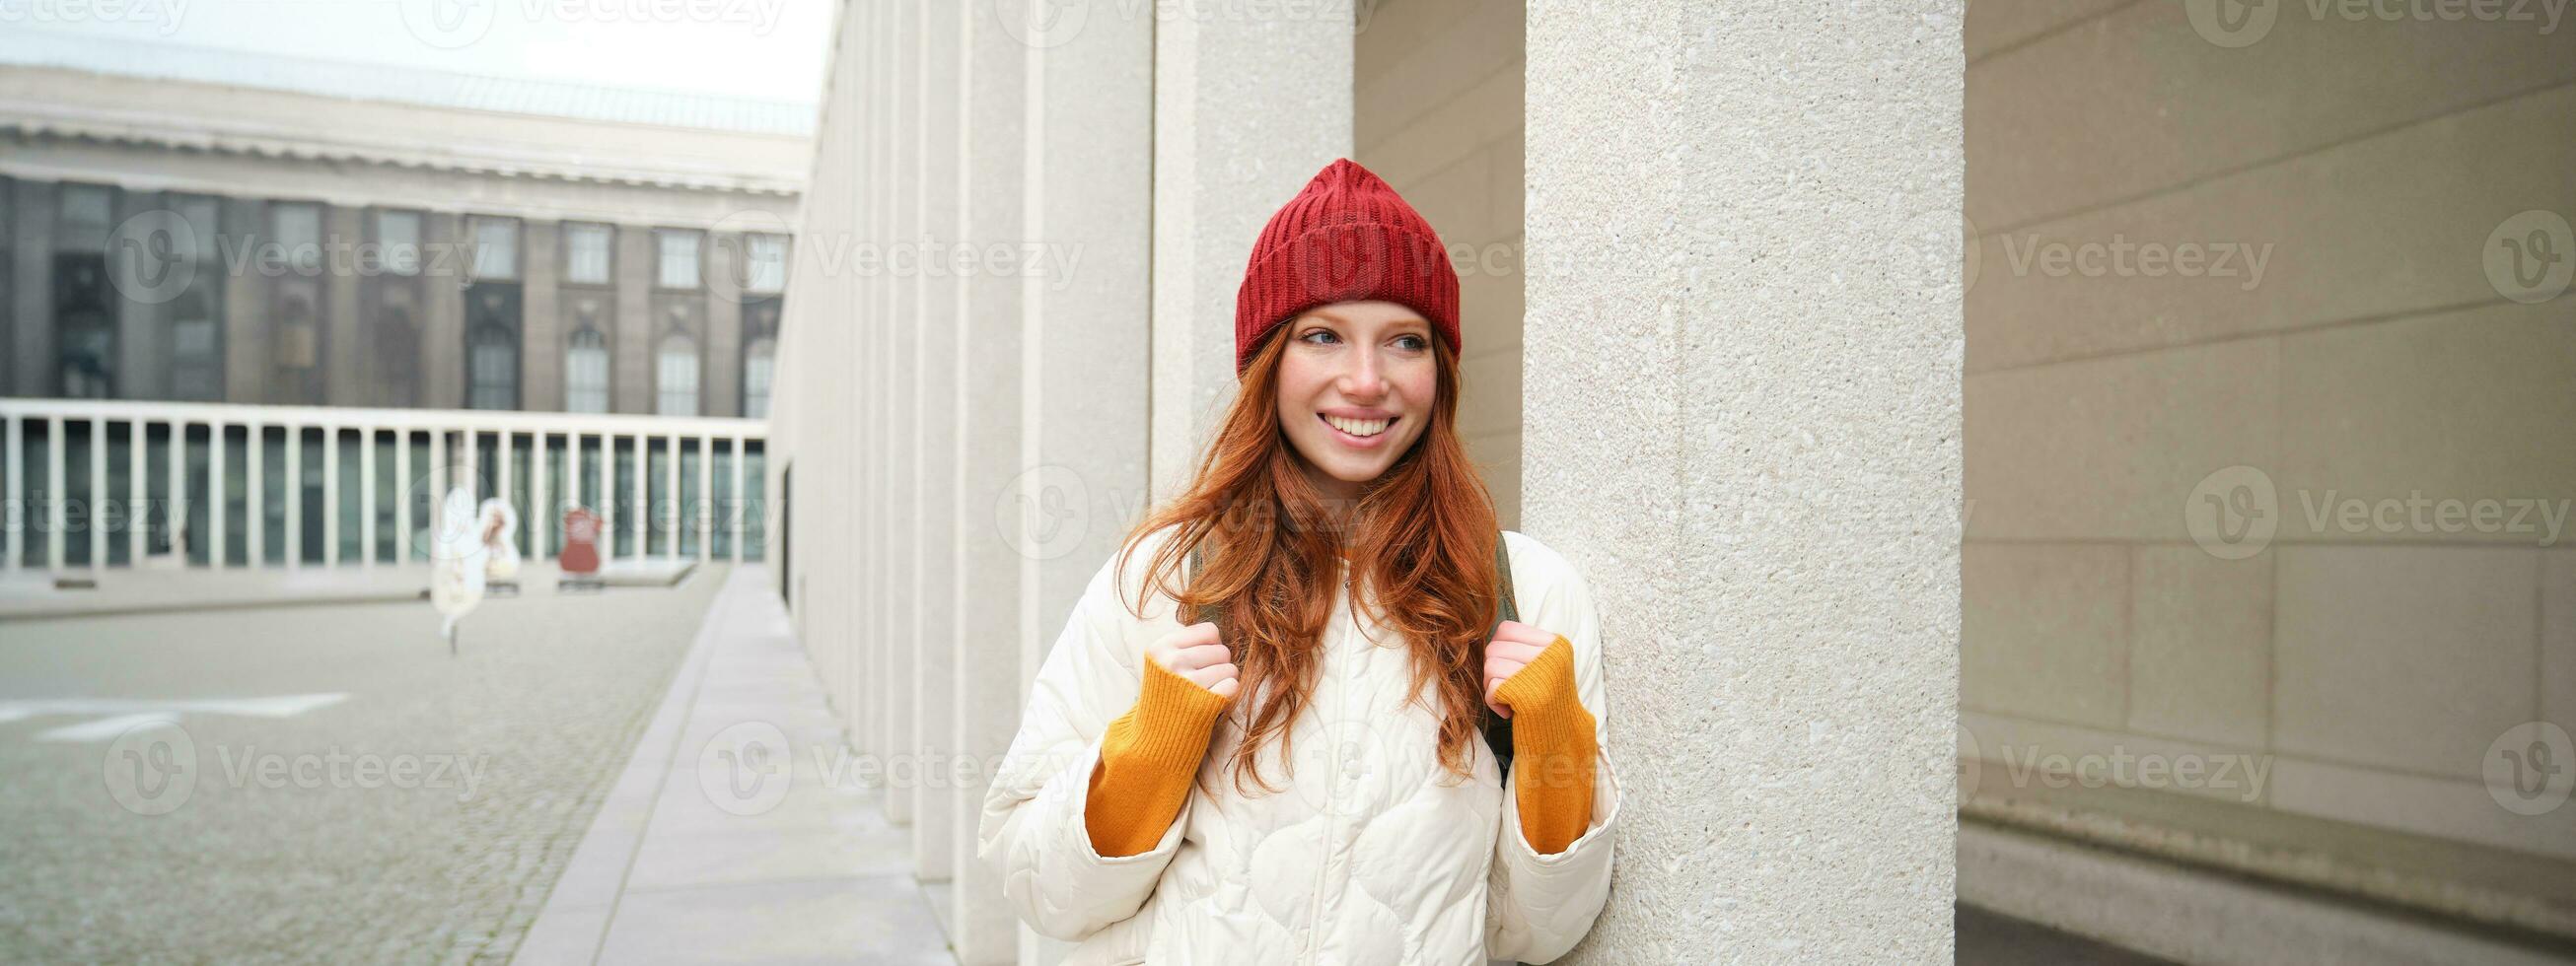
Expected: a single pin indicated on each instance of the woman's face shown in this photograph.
(1355, 389)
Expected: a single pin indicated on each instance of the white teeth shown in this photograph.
(1358, 427)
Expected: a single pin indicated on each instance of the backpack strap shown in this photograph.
(1498, 729)
(1208, 611)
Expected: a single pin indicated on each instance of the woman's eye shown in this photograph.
(1413, 342)
(1311, 334)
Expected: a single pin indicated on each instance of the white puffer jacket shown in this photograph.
(1366, 856)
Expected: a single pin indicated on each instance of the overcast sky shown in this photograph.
(768, 49)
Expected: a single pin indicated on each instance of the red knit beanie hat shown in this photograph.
(1347, 237)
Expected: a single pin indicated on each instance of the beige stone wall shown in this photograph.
(2374, 171)
(1437, 113)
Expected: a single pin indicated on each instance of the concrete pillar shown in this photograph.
(541, 335)
(868, 437)
(31, 288)
(142, 322)
(445, 264)
(630, 340)
(1742, 414)
(1245, 110)
(720, 352)
(986, 599)
(902, 535)
(343, 367)
(1085, 389)
(935, 822)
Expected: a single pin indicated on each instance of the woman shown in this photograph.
(1302, 772)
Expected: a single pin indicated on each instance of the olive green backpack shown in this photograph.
(1498, 729)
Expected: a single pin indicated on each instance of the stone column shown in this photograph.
(1742, 411)
(720, 349)
(142, 323)
(446, 263)
(344, 372)
(1245, 110)
(901, 544)
(871, 721)
(986, 585)
(630, 338)
(1086, 308)
(935, 822)
(31, 287)
(541, 337)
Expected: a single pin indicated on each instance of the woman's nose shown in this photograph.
(1363, 379)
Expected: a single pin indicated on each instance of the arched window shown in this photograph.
(677, 370)
(759, 363)
(492, 367)
(586, 373)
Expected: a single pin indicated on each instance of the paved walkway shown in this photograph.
(723, 840)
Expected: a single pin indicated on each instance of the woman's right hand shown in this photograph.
(1195, 654)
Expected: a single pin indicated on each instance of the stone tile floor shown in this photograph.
(726, 838)
(159, 805)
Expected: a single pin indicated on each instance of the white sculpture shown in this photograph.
(500, 530)
(457, 561)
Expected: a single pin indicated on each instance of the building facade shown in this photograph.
(283, 262)
(197, 240)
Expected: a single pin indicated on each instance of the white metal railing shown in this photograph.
(535, 460)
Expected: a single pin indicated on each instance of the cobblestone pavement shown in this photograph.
(421, 816)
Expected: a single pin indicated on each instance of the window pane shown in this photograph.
(679, 259)
(493, 365)
(496, 248)
(586, 374)
(586, 251)
(299, 234)
(678, 371)
(88, 206)
(398, 241)
(757, 368)
(768, 257)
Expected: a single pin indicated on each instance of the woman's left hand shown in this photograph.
(1514, 646)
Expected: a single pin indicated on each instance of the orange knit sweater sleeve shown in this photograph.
(1147, 760)
(1553, 749)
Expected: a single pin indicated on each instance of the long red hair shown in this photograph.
(1422, 548)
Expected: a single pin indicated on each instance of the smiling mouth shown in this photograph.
(1360, 428)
